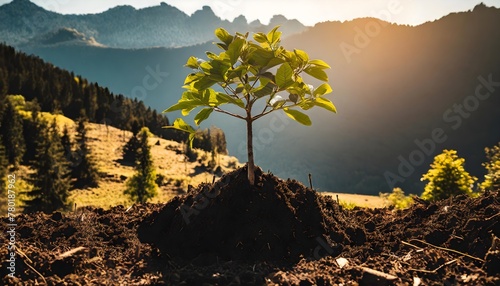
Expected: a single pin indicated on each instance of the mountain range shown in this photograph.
(403, 93)
(127, 27)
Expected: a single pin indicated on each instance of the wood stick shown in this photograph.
(31, 267)
(310, 181)
(447, 249)
(380, 274)
(435, 270)
(71, 252)
(412, 245)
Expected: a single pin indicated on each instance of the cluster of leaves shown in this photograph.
(447, 177)
(243, 76)
(242, 71)
(398, 199)
(142, 185)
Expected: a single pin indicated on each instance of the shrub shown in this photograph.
(447, 177)
(398, 199)
(492, 177)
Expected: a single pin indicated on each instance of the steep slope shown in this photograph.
(395, 85)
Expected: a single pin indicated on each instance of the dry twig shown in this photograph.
(31, 267)
(435, 270)
(447, 249)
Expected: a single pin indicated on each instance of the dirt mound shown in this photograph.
(275, 220)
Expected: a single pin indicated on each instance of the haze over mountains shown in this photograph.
(398, 89)
(127, 27)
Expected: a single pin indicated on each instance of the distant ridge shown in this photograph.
(127, 27)
(64, 36)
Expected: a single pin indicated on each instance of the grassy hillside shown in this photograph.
(175, 172)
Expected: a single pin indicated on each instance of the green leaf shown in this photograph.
(202, 115)
(182, 105)
(234, 50)
(319, 63)
(274, 35)
(193, 77)
(259, 57)
(212, 56)
(210, 97)
(223, 35)
(325, 103)
(186, 111)
(322, 90)
(192, 62)
(302, 55)
(203, 83)
(179, 124)
(263, 90)
(298, 116)
(317, 73)
(272, 63)
(221, 46)
(260, 38)
(307, 104)
(284, 76)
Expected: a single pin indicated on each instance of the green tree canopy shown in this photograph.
(11, 128)
(51, 182)
(142, 185)
(247, 72)
(447, 177)
(84, 164)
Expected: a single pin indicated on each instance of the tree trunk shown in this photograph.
(250, 164)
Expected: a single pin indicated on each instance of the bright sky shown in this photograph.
(308, 12)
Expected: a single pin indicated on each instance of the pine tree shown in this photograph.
(142, 186)
(67, 145)
(12, 131)
(130, 150)
(84, 165)
(50, 181)
(30, 130)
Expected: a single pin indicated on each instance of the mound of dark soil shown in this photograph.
(274, 220)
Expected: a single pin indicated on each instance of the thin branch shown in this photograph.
(435, 270)
(31, 267)
(264, 114)
(229, 90)
(217, 109)
(412, 245)
(272, 110)
(447, 249)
